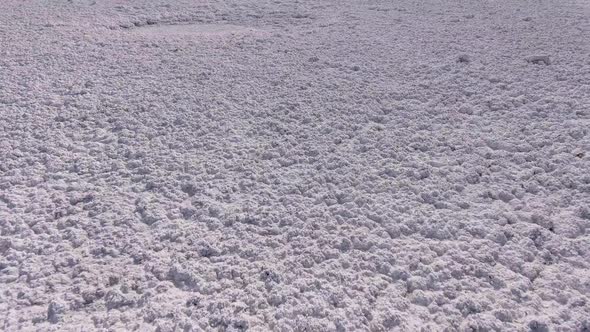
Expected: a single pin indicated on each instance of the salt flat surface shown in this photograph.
(168, 30)
(191, 165)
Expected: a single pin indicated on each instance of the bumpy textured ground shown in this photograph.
(199, 165)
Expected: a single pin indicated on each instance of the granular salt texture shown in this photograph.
(294, 166)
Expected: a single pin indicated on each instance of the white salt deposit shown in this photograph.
(192, 30)
(268, 165)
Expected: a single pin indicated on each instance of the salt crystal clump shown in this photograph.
(464, 58)
(539, 59)
(55, 311)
